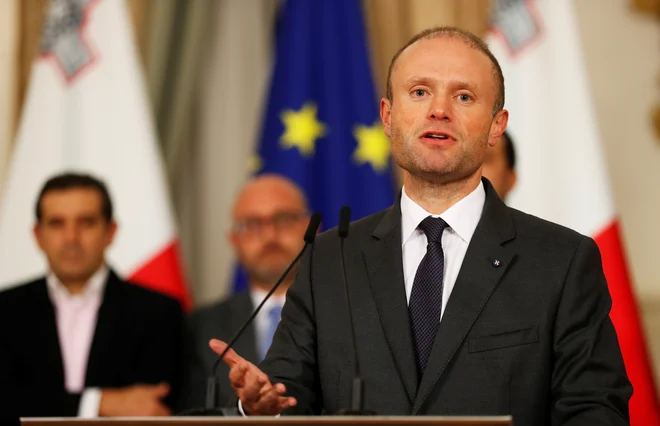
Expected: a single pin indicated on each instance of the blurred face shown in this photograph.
(73, 234)
(497, 171)
(441, 119)
(270, 220)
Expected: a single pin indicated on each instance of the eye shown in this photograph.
(464, 97)
(88, 221)
(253, 224)
(284, 219)
(418, 93)
(55, 223)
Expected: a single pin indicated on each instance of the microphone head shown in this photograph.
(312, 228)
(344, 221)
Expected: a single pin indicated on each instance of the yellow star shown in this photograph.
(254, 164)
(302, 129)
(373, 146)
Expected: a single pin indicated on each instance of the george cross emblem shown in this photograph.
(62, 36)
(517, 22)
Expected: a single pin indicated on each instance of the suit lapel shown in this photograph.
(383, 258)
(46, 333)
(103, 343)
(246, 345)
(476, 281)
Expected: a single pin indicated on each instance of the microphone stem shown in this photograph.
(256, 311)
(357, 389)
(213, 385)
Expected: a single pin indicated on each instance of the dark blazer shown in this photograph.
(218, 321)
(530, 337)
(137, 340)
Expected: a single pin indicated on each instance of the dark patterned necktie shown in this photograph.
(425, 302)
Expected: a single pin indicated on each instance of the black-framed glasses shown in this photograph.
(280, 221)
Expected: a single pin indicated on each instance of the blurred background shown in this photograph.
(206, 67)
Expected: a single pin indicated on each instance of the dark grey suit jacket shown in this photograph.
(531, 337)
(218, 321)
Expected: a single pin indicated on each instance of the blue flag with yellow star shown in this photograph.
(321, 126)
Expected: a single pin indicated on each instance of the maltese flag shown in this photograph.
(562, 170)
(86, 110)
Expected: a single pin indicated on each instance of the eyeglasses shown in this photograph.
(281, 221)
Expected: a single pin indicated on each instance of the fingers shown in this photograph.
(272, 401)
(162, 410)
(237, 375)
(149, 391)
(231, 357)
(161, 390)
(253, 385)
(285, 402)
(152, 409)
(257, 394)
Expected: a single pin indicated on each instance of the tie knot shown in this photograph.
(433, 227)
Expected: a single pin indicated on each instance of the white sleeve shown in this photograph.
(240, 409)
(89, 403)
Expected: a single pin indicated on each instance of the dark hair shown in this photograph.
(76, 181)
(471, 40)
(509, 150)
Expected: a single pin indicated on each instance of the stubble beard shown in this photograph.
(270, 274)
(453, 169)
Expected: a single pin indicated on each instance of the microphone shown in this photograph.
(212, 406)
(357, 389)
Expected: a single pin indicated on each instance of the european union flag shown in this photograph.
(321, 126)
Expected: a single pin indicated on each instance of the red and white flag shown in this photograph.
(562, 174)
(86, 110)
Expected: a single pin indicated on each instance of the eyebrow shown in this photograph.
(454, 84)
(463, 85)
(416, 80)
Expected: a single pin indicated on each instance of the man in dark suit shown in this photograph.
(81, 341)
(269, 220)
(462, 305)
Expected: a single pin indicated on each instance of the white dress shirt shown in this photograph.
(462, 219)
(76, 316)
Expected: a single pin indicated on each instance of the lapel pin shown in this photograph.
(496, 263)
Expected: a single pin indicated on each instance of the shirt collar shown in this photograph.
(94, 286)
(257, 296)
(462, 217)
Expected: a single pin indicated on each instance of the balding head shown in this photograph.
(268, 191)
(458, 34)
(270, 217)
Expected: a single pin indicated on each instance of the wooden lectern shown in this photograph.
(282, 421)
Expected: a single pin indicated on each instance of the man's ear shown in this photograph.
(111, 232)
(386, 115)
(498, 126)
(37, 235)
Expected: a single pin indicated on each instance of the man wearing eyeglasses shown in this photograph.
(269, 216)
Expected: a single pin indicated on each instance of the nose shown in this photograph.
(268, 231)
(439, 109)
(71, 234)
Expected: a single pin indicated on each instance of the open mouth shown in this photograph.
(437, 136)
